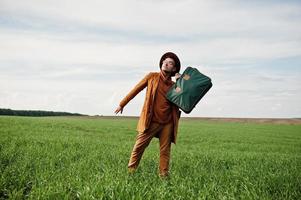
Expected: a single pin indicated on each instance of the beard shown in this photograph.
(168, 73)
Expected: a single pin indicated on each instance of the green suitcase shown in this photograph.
(189, 89)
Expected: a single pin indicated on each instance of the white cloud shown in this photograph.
(166, 17)
(84, 57)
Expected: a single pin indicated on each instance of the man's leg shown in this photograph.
(142, 141)
(165, 145)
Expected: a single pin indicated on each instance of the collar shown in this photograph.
(166, 79)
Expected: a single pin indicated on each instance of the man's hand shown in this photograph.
(119, 109)
(177, 75)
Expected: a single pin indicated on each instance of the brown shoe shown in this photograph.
(131, 170)
(164, 176)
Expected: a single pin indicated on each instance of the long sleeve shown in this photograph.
(140, 86)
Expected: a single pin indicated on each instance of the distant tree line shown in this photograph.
(37, 113)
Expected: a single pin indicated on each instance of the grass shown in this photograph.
(84, 158)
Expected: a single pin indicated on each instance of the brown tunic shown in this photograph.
(151, 81)
(162, 107)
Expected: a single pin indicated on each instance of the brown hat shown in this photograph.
(174, 57)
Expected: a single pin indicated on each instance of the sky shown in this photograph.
(85, 56)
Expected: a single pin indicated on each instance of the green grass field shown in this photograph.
(86, 158)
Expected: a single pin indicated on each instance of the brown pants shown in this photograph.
(164, 132)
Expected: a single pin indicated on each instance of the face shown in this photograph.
(168, 65)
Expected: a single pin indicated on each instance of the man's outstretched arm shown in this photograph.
(140, 86)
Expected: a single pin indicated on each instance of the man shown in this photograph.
(159, 117)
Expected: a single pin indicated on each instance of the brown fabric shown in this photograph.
(151, 81)
(164, 131)
(162, 107)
